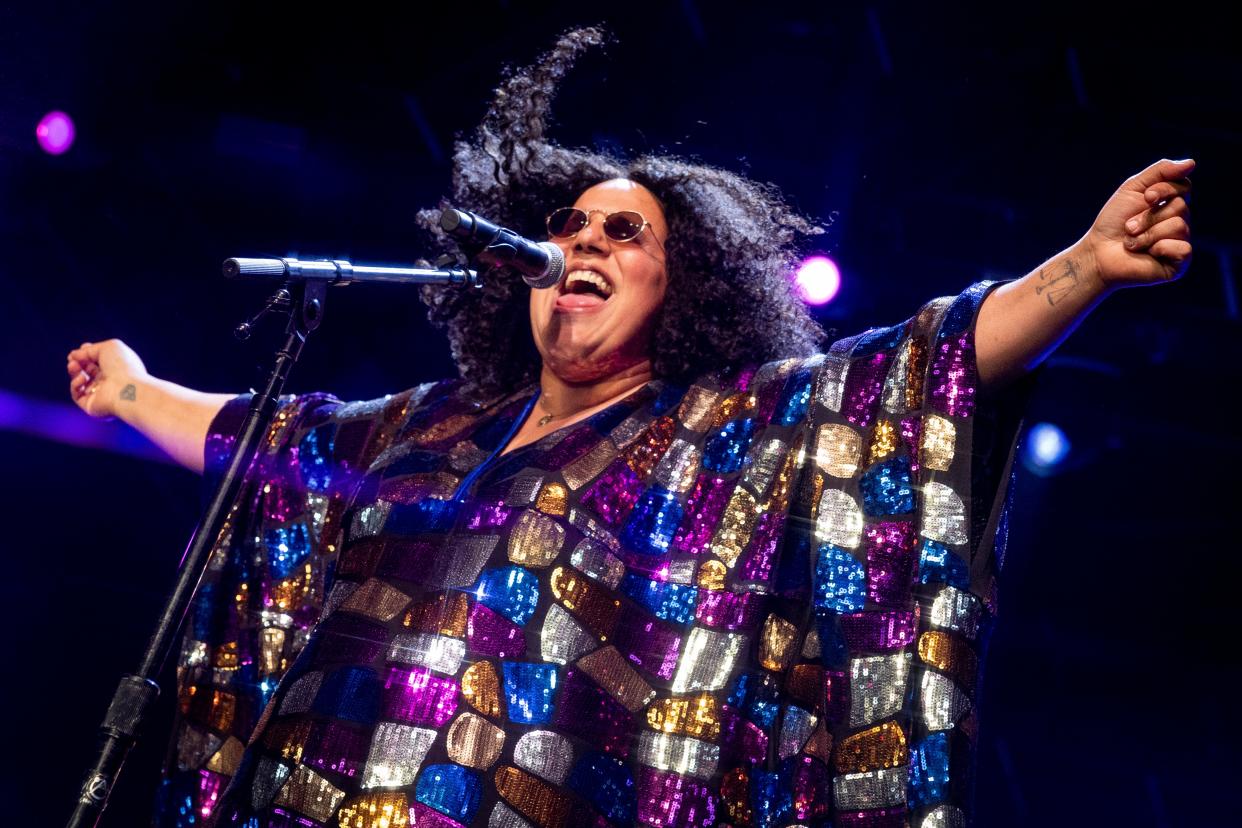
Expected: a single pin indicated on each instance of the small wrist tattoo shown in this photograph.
(1058, 285)
(129, 392)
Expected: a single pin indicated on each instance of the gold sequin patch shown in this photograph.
(949, 655)
(287, 737)
(839, 520)
(474, 741)
(444, 614)
(879, 747)
(712, 575)
(587, 467)
(776, 642)
(480, 687)
(590, 603)
(271, 651)
(223, 708)
(646, 452)
(707, 660)
(937, 442)
(552, 499)
(695, 412)
(697, 716)
(736, 526)
(735, 791)
(916, 369)
(732, 407)
(228, 758)
(820, 743)
(611, 671)
(310, 794)
(376, 599)
(806, 684)
(838, 449)
(444, 429)
(884, 441)
(534, 799)
(778, 500)
(377, 810)
(415, 487)
(536, 540)
(226, 656)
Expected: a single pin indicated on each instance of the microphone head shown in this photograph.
(554, 271)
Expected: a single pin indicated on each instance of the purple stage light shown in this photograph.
(818, 280)
(55, 133)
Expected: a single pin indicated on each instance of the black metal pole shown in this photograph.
(135, 693)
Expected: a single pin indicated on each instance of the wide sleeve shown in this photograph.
(903, 493)
(268, 575)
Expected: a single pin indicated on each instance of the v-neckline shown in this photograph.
(504, 455)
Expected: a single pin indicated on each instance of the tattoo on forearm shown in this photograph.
(129, 392)
(1058, 285)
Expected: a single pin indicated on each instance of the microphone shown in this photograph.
(542, 264)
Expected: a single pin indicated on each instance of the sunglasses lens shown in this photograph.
(566, 221)
(624, 225)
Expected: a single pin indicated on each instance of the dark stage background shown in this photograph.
(948, 145)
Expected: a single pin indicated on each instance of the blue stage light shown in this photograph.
(1046, 448)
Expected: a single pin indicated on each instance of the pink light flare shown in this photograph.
(55, 132)
(818, 280)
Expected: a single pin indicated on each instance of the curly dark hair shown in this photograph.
(731, 243)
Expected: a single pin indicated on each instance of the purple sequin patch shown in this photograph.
(880, 818)
(741, 740)
(953, 376)
(487, 514)
(670, 800)
(812, 788)
(491, 634)
(889, 630)
(706, 502)
(836, 695)
(891, 562)
(911, 433)
(729, 610)
(649, 644)
(569, 449)
(419, 697)
(425, 817)
(614, 493)
(760, 555)
(585, 710)
(350, 640)
(863, 385)
(767, 399)
(334, 746)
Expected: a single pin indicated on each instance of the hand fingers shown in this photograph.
(1156, 214)
(1162, 170)
(1176, 251)
(1166, 190)
(1175, 227)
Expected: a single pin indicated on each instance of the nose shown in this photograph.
(592, 237)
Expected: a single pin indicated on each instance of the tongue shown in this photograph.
(579, 300)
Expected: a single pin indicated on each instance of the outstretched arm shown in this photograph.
(1140, 237)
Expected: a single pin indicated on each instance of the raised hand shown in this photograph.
(102, 374)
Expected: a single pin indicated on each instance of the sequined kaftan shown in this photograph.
(754, 600)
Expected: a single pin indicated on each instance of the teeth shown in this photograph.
(589, 276)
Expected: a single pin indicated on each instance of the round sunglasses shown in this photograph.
(621, 226)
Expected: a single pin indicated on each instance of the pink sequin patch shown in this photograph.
(741, 740)
(419, 697)
(911, 433)
(953, 375)
(812, 788)
(891, 560)
(489, 513)
(863, 386)
(706, 502)
(334, 746)
(836, 695)
(613, 494)
(880, 818)
(760, 555)
(586, 710)
(491, 634)
(668, 800)
(648, 643)
(889, 630)
(425, 817)
(210, 786)
(729, 610)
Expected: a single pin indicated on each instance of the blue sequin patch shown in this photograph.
(415, 462)
(287, 547)
(668, 397)
(881, 339)
(607, 784)
(315, 456)
(653, 521)
(450, 789)
(770, 801)
(940, 565)
(352, 693)
(758, 696)
(427, 515)
(962, 311)
(530, 690)
(726, 450)
(795, 397)
(794, 569)
(511, 591)
(670, 602)
(840, 580)
(929, 771)
(833, 650)
(887, 488)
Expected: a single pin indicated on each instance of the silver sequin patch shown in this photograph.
(194, 746)
(587, 467)
(536, 539)
(595, 561)
(301, 694)
(707, 660)
(680, 754)
(546, 754)
(832, 374)
(944, 515)
(269, 777)
(310, 794)
(466, 456)
(461, 564)
(339, 593)
(317, 505)
(438, 652)
(796, 728)
(698, 406)
(764, 461)
(838, 521)
(682, 571)
(874, 789)
(589, 526)
(944, 816)
(369, 520)
(877, 687)
(957, 610)
(629, 429)
(942, 702)
(397, 752)
(524, 489)
(679, 465)
(838, 450)
(895, 383)
(563, 639)
(810, 646)
(937, 442)
(503, 816)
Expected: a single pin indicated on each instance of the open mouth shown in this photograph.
(586, 283)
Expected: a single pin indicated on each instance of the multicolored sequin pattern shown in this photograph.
(745, 602)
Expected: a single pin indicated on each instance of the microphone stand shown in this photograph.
(301, 296)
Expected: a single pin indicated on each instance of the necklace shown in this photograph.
(546, 418)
